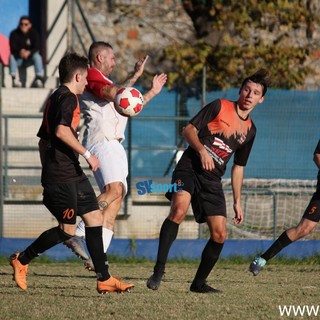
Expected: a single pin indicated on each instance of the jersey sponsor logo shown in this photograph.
(219, 150)
(225, 122)
(221, 145)
(212, 153)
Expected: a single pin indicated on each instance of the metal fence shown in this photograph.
(269, 205)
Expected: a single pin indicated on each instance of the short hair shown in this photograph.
(261, 77)
(70, 64)
(95, 46)
(24, 18)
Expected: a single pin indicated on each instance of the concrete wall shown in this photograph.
(57, 40)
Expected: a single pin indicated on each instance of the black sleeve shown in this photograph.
(68, 104)
(241, 156)
(317, 150)
(206, 114)
(14, 43)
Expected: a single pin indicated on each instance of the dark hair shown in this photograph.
(97, 45)
(261, 77)
(70, 64)
(24, 18)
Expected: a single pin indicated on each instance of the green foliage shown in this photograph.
(235, 38)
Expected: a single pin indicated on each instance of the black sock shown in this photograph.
(45, 241)
(168, 234)
(209, 257)
(277, 246)
(95, 248)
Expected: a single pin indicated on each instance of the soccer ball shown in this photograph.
(129, 102)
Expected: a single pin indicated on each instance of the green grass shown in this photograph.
(64, 290)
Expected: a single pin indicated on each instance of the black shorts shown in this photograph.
(313, 209)
(68, 200)
(207, 197)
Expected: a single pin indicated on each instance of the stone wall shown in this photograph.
(134, 31)
(138, 27)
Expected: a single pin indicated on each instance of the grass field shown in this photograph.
(64, 290)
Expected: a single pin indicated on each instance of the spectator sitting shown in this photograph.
(25, 46)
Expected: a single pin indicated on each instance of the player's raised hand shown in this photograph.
(139, 66)
(158, 82)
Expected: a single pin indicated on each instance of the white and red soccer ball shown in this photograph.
(128, 101)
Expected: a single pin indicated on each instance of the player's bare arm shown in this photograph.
(157, 85)
(137, 72)
(316, 159)
(190, 133)
(109, 92)
(65, 134)
(236, 182)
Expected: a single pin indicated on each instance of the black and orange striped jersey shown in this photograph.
(59, 162)
(223, 133)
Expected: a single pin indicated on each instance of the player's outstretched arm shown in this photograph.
(109, 92)
(137, 72)
(157, 85)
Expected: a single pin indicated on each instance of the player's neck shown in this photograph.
(243, 114)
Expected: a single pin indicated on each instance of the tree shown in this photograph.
(234, 38)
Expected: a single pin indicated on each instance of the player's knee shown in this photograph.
(304, 231)
(219, 235)
(177, 214)
(93, 218)
(115, 190)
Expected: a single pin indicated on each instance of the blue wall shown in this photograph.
(189, 249)
(10, 13)
(287, 133)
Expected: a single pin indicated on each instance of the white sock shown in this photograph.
(80, 231)
(106, 238)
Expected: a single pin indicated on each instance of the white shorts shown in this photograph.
(113, 164)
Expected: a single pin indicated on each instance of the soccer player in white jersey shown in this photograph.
(103, 135)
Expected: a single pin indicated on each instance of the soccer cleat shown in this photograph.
(113, 285)
(155, 280)
(204, 288)
(88, 264)
(77, 245)
(257, 265)
(19, 271)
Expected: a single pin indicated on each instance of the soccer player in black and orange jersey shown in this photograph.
(308, 222)
(222, 128)
(67, 190)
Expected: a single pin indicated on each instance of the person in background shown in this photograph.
(308, 222)
(25, 52)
